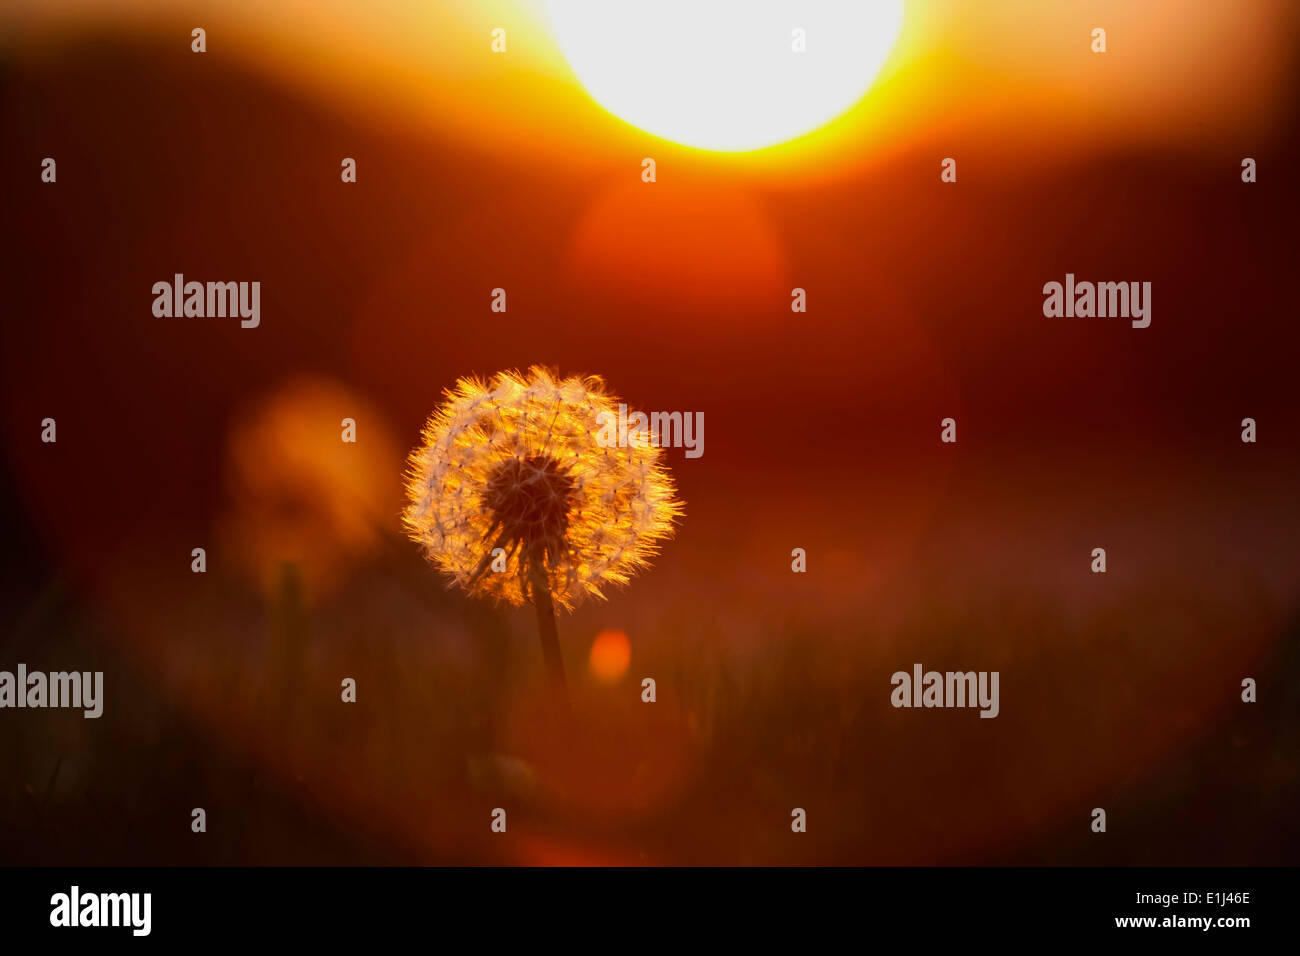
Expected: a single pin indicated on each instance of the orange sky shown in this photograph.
(1175, 70)
(478, 171)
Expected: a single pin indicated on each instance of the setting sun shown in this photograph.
(730, 76)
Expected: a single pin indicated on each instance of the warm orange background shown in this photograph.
(478, 171)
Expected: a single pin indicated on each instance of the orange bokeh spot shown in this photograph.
(610, 654)
(705, 246)
(302, 496)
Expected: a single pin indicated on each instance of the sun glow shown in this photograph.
(726, 75)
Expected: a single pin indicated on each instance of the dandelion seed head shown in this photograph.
(514, 463)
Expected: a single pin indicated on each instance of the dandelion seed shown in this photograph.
(514, 464)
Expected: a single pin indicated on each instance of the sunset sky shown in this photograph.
(479, 171)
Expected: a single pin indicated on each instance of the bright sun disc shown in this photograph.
(726, 74)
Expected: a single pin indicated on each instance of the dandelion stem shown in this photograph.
(548, 632)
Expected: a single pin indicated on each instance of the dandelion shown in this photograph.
(510, 476)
